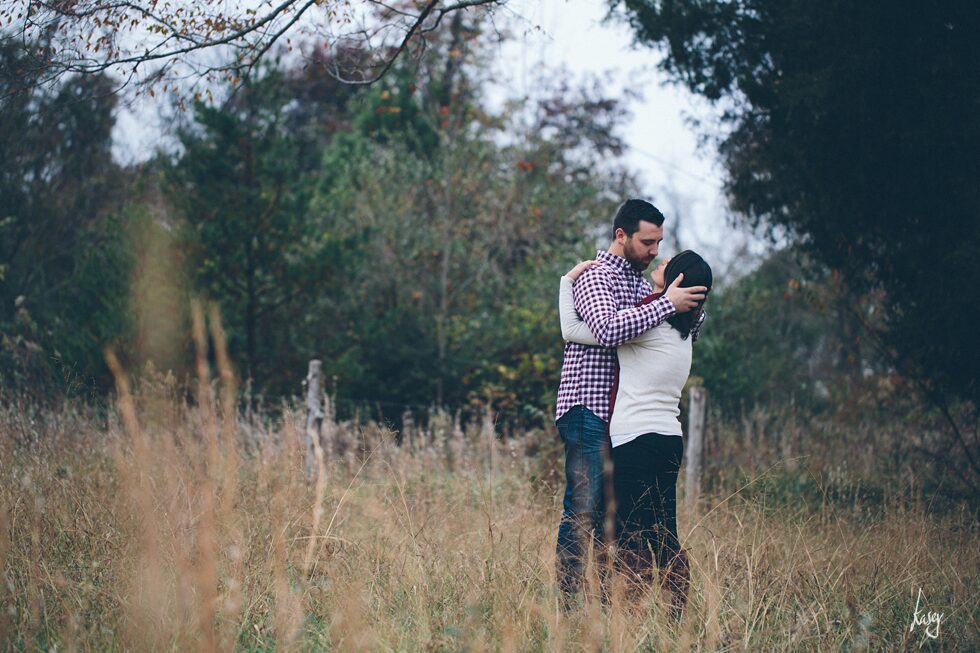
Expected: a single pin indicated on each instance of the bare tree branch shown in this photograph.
(401, 47)
(163, 41)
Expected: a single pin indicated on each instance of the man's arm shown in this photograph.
(596, 303)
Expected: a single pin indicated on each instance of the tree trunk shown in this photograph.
(251, 271)
(442, 319)
(250, 312)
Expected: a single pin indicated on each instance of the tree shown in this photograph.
(160, 45)
(853, 126)
(782, 334)
(243, 196)
(63, 265)
(468, 219)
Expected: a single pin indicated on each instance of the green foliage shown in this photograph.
(406, 234)
(93, 309)
(63, 258)
(419, 256)
(460, 271)
(392, 113)
(253, 248)
(781, 334)
(853, 127)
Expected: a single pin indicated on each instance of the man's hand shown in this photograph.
(685, 299)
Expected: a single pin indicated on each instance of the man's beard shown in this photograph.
(638, 262)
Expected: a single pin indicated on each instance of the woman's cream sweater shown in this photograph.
(653, 368)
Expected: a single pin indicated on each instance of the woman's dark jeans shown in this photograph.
(586, 452)
(645, 484)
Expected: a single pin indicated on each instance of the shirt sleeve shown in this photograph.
(596, 303)
(573, 328)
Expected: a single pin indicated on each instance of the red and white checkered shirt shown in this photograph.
(601, 295)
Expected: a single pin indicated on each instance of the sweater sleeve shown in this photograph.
(573, 329)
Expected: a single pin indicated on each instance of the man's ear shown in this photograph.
(620, 236)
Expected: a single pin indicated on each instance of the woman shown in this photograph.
(645, 430)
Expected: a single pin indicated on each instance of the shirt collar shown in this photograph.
(617, 262)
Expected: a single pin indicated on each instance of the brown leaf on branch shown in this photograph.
(145, 43)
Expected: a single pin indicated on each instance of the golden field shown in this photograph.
(153, 525)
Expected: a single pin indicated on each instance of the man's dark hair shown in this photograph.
(630, 214)
(696, 273)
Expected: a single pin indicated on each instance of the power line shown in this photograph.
(673, 166)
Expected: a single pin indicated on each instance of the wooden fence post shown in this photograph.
(697, 403)
(314, 416)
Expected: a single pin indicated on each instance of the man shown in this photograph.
(606, 296)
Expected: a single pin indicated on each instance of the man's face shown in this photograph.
(641, 248)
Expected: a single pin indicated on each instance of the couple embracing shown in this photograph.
(627, 358)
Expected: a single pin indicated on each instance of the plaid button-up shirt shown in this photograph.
(601, 295)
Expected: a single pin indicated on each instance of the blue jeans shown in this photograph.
(583, 510)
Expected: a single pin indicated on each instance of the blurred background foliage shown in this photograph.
(411, 233)
(851, 130)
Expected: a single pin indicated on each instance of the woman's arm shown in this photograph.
(573, 329)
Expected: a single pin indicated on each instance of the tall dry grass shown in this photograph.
(162, 526)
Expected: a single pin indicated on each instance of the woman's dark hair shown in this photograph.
(696, 273)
